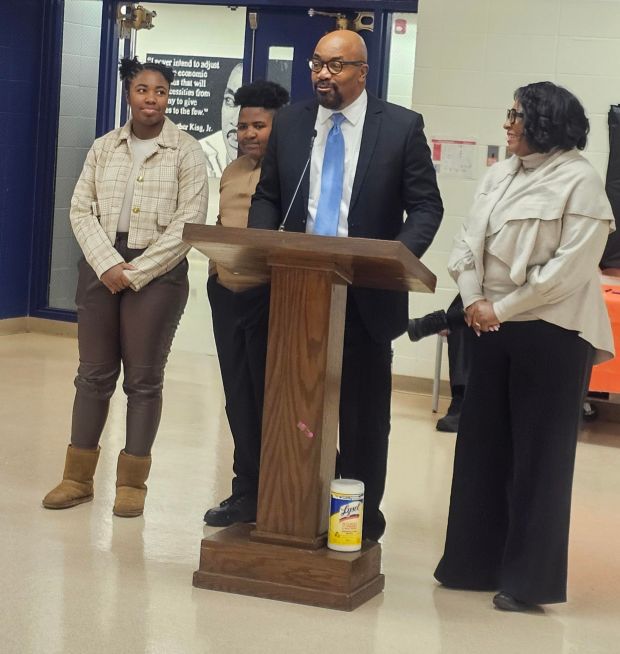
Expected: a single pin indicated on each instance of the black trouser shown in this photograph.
(365, 396)
(459, 347)
(136, 328)
(240, 327)
(511, 490)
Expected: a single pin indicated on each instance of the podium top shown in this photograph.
(369, 263)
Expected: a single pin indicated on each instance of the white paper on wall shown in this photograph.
(454, 157)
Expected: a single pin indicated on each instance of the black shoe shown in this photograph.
(589, 412)
(431, 323)
(240, 508)
(506, 602)
(373, 529)
(450, 422)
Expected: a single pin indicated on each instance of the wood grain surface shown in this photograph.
(302, 395)
(372, 263)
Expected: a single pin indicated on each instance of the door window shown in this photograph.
(280, 66)
(401, 59)
(76, 133)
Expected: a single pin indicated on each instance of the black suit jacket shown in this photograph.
(395, 180)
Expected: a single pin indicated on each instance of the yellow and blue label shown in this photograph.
(345, 519)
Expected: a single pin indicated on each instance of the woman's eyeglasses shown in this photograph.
(334, 66)
(512, 115)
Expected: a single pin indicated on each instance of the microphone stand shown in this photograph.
(303, 172)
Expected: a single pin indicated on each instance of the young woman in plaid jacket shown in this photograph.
(140, 184)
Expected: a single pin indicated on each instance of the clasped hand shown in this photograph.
(481, 317)
(114, 278)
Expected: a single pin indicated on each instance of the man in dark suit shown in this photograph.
(370, 165)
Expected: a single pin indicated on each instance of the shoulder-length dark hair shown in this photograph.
(553, 117)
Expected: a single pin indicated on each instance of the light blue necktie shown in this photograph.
(328, 211)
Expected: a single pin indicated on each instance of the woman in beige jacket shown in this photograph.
(526, 264)
(140, 184)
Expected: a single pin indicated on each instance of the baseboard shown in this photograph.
(13, 326)
(419, 385)
(608, 411)
(404, 383)
(28, 324)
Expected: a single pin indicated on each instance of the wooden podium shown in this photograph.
(284, 557)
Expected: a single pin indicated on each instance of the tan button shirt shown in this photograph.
(237, 187)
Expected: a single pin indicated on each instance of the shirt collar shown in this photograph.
(168, 137)
(353, 112)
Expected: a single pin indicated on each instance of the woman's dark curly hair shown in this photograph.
(553, 117)
(129, 68)
(260, 93)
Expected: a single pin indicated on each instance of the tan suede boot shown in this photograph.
(76, 486)
(131, 473)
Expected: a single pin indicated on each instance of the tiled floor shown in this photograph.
(81, 581)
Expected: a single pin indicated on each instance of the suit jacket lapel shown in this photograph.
(372, 125)
(306, 130)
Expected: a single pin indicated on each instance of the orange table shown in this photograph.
(606, 376)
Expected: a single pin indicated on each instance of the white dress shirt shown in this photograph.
(351, 128)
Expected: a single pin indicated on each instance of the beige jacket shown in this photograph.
(170, 190)
(550, 234)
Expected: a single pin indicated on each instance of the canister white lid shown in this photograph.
(347, 486)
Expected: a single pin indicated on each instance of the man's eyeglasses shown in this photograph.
(512, 115)
(334, 66)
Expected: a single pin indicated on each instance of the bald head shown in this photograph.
(350, 45)
(338, 90)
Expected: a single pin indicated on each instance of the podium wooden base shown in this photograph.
(284, 559)
(231, 562)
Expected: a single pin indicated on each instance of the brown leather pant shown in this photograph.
(135, 328)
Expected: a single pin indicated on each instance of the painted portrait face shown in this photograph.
(230, 113)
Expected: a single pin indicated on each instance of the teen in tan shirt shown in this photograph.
(240, 304)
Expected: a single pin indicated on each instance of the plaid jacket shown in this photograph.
(170, 190)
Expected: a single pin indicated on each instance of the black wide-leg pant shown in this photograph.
(240, 328)
(510, 502)
(132, 328)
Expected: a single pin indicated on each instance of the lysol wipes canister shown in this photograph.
(345, 515)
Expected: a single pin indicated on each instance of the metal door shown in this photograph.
(279, 42)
